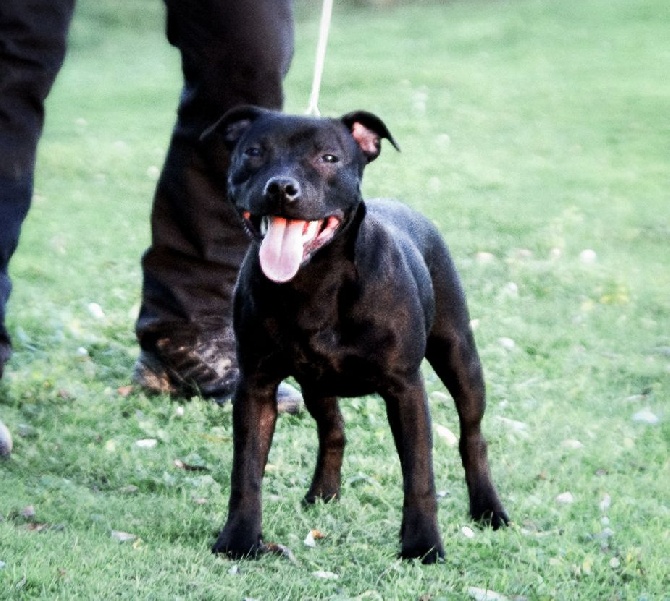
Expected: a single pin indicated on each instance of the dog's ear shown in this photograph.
(368, 131)
(231, 127)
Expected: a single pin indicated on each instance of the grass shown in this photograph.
(531, 131)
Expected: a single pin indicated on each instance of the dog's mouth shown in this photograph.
(287, 244)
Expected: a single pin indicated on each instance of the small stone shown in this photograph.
(507, 343)
(6, 443)
(510, 290)
(153, 172)
(605, 502)
(607, 533)
(646, 416)
(26, 431)
(565, 498)
(96, 311)
(467, 532)
(146, 443)
(484, 257)
(588, 256)
(523, 253)
(447, 435)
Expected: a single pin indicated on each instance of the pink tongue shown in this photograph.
(281, 249)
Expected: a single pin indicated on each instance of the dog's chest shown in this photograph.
(337, 347)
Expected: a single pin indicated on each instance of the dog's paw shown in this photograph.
(312, 497)
(427, 553)
(486, 508)
(420, 539)
(495, 517)
(237, 542)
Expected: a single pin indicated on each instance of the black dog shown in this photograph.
(348, 297)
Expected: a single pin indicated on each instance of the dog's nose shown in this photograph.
(286, 189)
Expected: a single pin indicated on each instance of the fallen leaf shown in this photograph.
(124, 391)
(309, 540)
(482, 594)
(123, 537)
(325, 575)
(514, 425)
(130, 489)
(179, 464)
(278, 549)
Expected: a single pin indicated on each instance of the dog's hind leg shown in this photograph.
(330, 427)
(409, 418)
(451, 351)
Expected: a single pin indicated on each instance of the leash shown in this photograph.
(324, 29)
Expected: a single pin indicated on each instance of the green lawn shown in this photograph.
(531, 131)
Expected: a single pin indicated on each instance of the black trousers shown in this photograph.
(32, 49)
(232, 52)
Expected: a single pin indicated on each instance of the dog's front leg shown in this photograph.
(330, 426)
(254, 418)
(408, 415)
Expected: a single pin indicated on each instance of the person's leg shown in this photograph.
(33, 35)
(232, 53)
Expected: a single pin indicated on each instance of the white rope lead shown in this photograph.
(324, 29)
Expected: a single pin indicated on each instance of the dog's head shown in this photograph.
(295, 180)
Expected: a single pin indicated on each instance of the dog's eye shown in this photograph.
(252, 151)
(330, 158)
